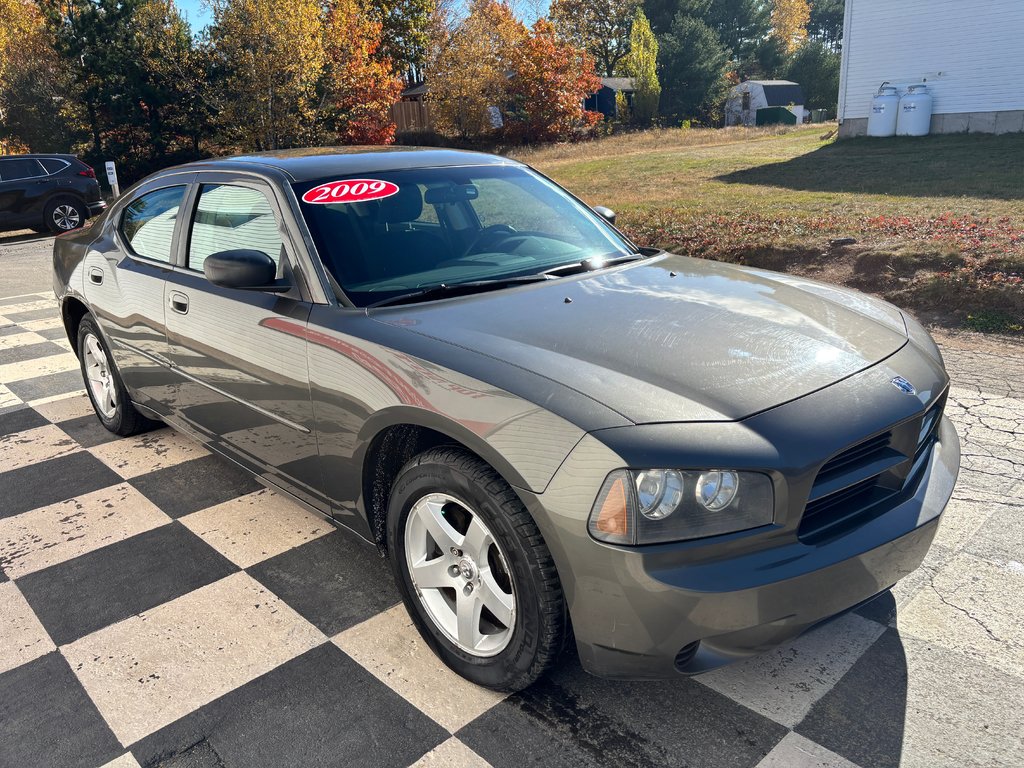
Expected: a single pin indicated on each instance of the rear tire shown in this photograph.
(103, 384)
(65, 214)
(462, 544)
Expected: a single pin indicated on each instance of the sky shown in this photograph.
(198, 13)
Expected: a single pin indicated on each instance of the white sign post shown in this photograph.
(112, 177)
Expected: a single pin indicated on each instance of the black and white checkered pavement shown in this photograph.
(157, 606)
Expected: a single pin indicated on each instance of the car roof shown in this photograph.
(316, 163)
(39, 156)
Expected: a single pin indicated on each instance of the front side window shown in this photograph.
(24, 168)
(448, 226)
(231, 218)
(148, 223)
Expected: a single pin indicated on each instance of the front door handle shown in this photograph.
(95, 275)
(179, 303)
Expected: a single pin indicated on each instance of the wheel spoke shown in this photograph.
(467, 608)
(431, 513)
(491, 595)
(433, 574)
(477, 541)
(93, 372)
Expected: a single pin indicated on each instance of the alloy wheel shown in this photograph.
(460, 574)
(100, 377)
(66, 217)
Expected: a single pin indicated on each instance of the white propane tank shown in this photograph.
(884, 112)
(915, 113)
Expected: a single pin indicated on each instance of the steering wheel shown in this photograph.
(489, 233)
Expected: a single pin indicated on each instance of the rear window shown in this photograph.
(23, 168)
(54, 164)
(148, 223)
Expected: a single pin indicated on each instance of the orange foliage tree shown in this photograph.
(789, 22)
(550, 80)
(360, 84)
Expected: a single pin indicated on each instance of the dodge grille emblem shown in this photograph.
(904, 386)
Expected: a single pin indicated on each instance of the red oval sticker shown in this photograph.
(350, 191)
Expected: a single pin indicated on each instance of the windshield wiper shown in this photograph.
(454, 289)
(591, 263)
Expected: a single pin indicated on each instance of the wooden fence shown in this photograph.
(411, 115)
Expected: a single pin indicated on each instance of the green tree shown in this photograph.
(693, 64)
(662, 13)
(600, 27)
(268, 58)
(741, 24)
(816, 68)
(826, 23)
(405, 32)
(642, 66)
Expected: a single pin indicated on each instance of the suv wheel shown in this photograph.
(473, 570)
(103, 383)
(65, 214)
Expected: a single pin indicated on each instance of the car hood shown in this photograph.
(671, 338)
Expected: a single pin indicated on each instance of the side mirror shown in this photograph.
(605, 213)
(244, 269)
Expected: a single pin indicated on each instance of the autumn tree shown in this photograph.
(469, 66)
(360, 85)
(268, 58)
(642, 66)
(548, 82)
(789, 22)
(601, 27)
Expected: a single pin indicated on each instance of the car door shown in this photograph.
(124, 272)
(243, 381)
(18, 179)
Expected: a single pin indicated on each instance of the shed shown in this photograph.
(749, 96)
(968, 53)
(604, 101)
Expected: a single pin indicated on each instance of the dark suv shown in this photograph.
(47, 193)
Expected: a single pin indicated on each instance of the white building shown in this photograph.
(970, 53)
(749, 96)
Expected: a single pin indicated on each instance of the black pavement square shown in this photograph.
(54, 334)
(27, 298)
(34, 314)
(50, 385)
(195, 484)
(48, 482)
(862, 716)
(94, 590)
(87, 431)
(335, 581)
(47, 719)
(570, 719)
(319, 709)
(24, 352)
(8, 329)
(20, 420)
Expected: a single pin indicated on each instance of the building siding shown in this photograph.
(970, 53)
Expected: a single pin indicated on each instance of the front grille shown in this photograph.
(854, 485)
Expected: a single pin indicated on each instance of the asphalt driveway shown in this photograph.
(158, 607)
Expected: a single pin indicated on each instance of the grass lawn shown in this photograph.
(937, 223)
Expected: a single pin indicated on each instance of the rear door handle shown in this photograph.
(179, 303)
(95, 275)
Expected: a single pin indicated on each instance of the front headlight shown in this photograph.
(657, 505)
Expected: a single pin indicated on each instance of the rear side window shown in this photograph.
(148, 223)
(54, 164)
(24, 168)
(230, 218)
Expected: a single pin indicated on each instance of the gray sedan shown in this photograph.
(551, 433)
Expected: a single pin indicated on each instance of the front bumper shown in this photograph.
(661, 610)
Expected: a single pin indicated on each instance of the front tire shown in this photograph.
(103, 383)
(473, 570)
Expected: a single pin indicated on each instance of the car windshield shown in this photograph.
(383, 235)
